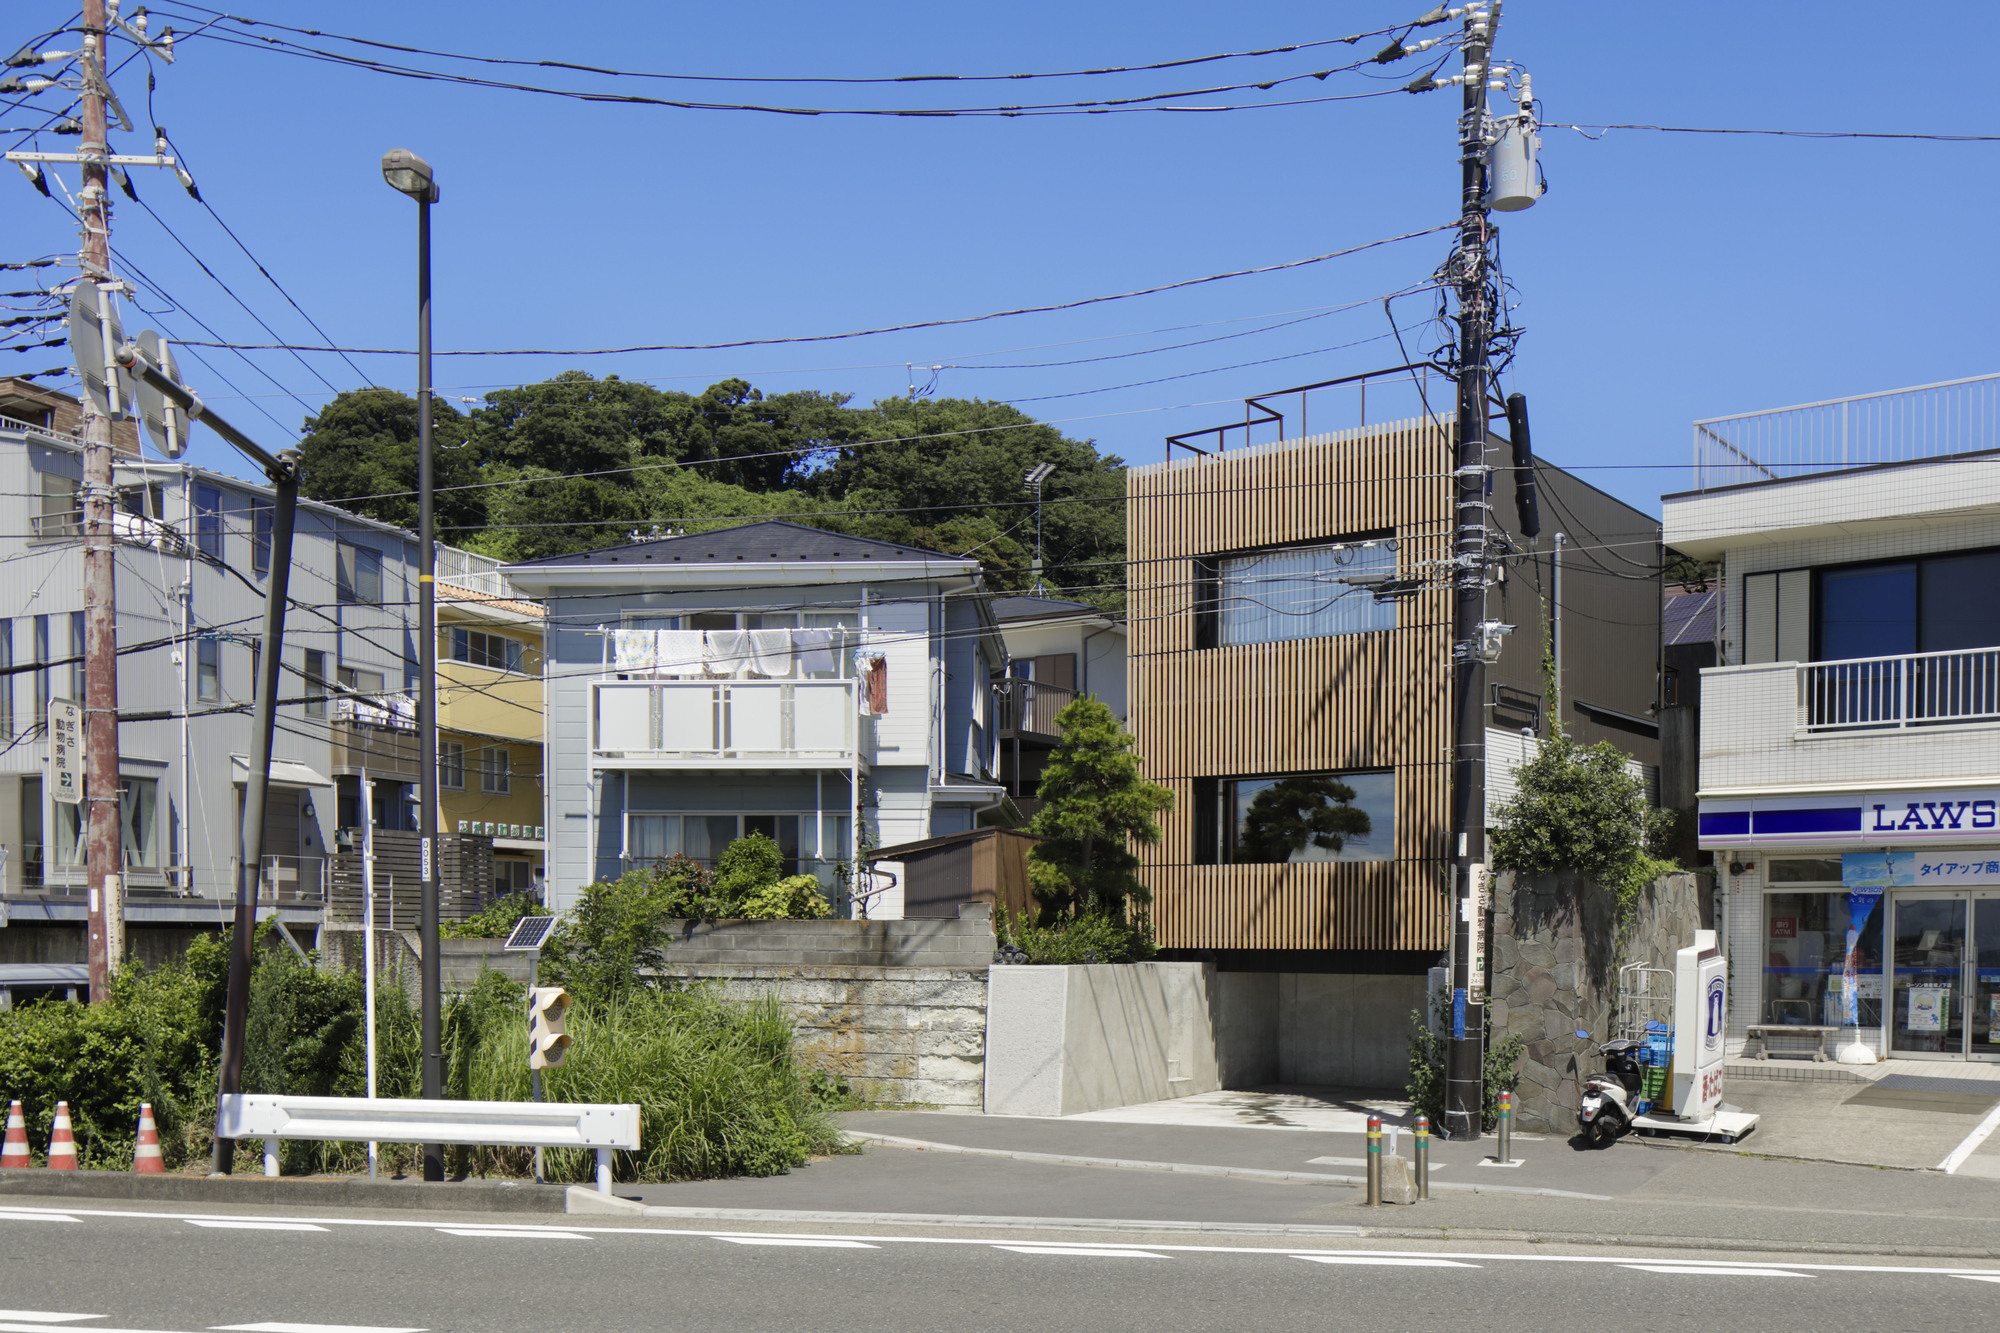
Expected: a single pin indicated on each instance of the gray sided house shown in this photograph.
(193, 562)
(768, 678)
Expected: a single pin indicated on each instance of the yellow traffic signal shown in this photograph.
(547, 1042)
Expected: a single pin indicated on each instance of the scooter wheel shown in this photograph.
(1602, 1133)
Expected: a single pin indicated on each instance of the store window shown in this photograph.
(1816, 943)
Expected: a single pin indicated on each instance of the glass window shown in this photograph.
(1813, 870)
(62, 507)
(451, 765)
(42, 676)
(494, 762)
(315, 683)
(1308, 817)
(138, 823)
(6, 679)
(260, 536)
(1272, 596)
(1961, 602)
(70, 831)
(1806, 938)
(655, 837)
(370, 683)
(208, 521)
(208, 669)
(76, 676)
(487, 650)
(357, 574)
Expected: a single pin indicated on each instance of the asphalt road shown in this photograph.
(111, 1269)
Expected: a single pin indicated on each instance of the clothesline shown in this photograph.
(737, 653)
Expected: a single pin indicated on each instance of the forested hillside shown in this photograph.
(578, 462)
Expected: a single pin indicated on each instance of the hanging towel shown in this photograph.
(681, 652)
(771, 652)
(728, 652)
(814, 648)
(634, 649)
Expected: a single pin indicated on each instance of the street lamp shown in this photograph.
(409, 174)
(1036, 475)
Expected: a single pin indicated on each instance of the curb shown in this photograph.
(1195, 1169)
(487, 1196)
(1710, 1244)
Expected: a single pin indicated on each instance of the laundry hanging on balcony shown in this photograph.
(771, 652)
(634, 649)
(814, 648)
(728, 652)
(682, 652)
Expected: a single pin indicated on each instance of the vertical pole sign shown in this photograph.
(66, 751)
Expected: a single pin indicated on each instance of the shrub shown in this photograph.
(1577, 808)
(1081, 939)
(795, 898)
(612, 941)
(495, 920)
(1426, 1089)
(746, 867)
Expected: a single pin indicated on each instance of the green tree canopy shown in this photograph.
(360, 452)
(1097, 804)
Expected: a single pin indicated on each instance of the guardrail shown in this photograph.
(1893, 426)
(605, 1127)
(1920, 689)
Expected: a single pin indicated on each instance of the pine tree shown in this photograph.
(1097, 806)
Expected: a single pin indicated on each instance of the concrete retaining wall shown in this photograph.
(965, 943)
(1065, 1040)
(1322, 1029)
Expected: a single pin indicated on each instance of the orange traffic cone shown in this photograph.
(146, 1159)
(62, 1147)
(15, 1153)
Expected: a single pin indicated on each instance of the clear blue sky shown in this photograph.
(1665, 277)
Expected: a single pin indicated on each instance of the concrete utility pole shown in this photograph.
(104, 850)
(1465, 1049)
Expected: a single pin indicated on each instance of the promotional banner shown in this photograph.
(1861, 903)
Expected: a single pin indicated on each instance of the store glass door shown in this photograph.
(1982, 965)
(1928, 981)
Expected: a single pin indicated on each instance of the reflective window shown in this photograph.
(1302, 593)
(1308, 817)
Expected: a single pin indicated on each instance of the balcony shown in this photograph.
(740, 723)
(1030, 708)
(1856, 725)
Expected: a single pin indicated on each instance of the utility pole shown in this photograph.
(104, 851)
(1465, 1050)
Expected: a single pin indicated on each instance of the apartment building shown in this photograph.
(1291, 651)
(767, 678)
(1850, 733)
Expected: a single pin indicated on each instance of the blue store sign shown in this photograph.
(1877, 819)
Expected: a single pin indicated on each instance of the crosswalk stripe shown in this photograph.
(1384, 1261)
(217, 1225)
(1081, 1251)
(1713, 1270)
(801, 1242)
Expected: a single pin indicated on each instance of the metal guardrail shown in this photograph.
(1894, 426)
(1921, 689)
(605, 1127)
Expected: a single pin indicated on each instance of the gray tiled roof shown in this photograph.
(765, 541)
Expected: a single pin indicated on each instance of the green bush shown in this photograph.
(1426, 1089)
(797, 898)
(1081, 939)
(495, 920)
(612, 941)
(1576, 808)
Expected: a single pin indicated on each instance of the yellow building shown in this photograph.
(489, 680)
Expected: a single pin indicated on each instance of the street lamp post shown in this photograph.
(411, 175)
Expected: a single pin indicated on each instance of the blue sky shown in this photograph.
(1664, 277)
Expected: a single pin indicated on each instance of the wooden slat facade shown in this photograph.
(1357, 701)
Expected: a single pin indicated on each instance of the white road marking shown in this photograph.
(222, 1225)
(94, 1328)
(518, 1233)
(1383, 1261)
(310, 1328)
(1083, 1251)
(801, 1242)
(1979, 1277)
(30, 1215)
(1713, 1270)
(45, 1316)
(1980, 1133)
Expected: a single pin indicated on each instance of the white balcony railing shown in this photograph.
(397, 712)
(690, 723)
(1922, 689)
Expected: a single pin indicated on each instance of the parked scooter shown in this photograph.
(1611, 1100)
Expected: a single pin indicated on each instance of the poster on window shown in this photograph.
(1993, 1017)
(1929, 1008)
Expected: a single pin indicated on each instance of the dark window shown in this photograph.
(76, 674)
(208, 670)
(41, 676)
(357, 574)
(260, 537)
(1300, 817)
(208, 521)
(486, 650)
(451, 765)
(6, 680)
(315, 683)
(1207, 822)
(1939, 603)
(1207, 629)
(62, 507)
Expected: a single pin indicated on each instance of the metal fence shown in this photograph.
(1896, 426)
(1920, 689)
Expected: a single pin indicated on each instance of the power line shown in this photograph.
(1585, 130)
(858, 333)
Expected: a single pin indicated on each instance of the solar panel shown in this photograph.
(529, 933)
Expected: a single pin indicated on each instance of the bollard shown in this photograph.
(1374, 1160)
(1506, 1127)
(1422, 1150)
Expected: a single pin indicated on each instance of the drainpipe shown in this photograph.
(1085, 654)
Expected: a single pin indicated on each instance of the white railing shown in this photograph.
(664, 722)
(1895, 426)
(1922, 689)
(398, 712)
(478, 573)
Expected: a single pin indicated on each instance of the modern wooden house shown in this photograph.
(1289, 681)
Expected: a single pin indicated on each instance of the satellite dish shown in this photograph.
(165, 422)
(86, 347)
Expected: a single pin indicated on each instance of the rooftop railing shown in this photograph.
(1895, 426)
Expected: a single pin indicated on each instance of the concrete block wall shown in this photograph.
(964, 943)
(898, 1034)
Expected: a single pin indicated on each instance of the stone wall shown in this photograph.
(1555, 956)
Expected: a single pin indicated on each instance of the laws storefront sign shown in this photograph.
(1880, 819)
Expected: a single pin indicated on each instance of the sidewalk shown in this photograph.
(1287, 1174)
